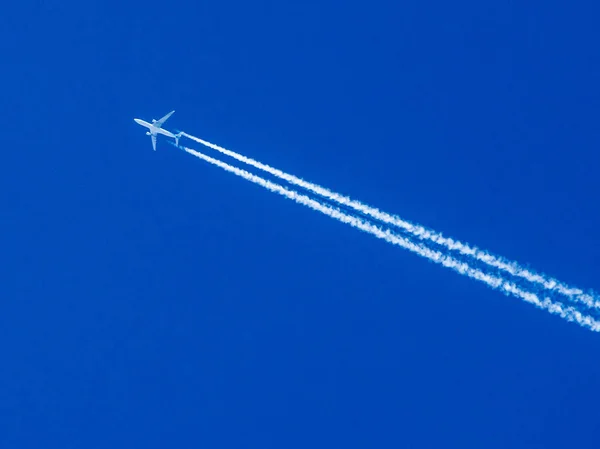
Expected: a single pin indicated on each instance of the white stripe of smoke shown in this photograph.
(574, 294)
(568, 313)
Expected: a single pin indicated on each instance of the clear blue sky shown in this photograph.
(149, 300)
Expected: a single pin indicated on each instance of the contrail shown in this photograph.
(568, 313)
(513, 268)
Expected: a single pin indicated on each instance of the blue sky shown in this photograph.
(151, 300)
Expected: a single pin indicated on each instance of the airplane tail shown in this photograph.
(177, 136)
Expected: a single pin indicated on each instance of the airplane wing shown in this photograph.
(160, 122)
(153, 137)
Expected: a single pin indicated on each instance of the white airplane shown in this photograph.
(155, 128)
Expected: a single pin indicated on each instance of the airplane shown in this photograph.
(155, 128)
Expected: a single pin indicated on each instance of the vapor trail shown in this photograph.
(568, 313)
(500, 263)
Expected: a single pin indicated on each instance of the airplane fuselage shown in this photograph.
(153, 130)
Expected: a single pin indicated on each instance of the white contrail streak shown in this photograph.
(574, 294)
(568, 313)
